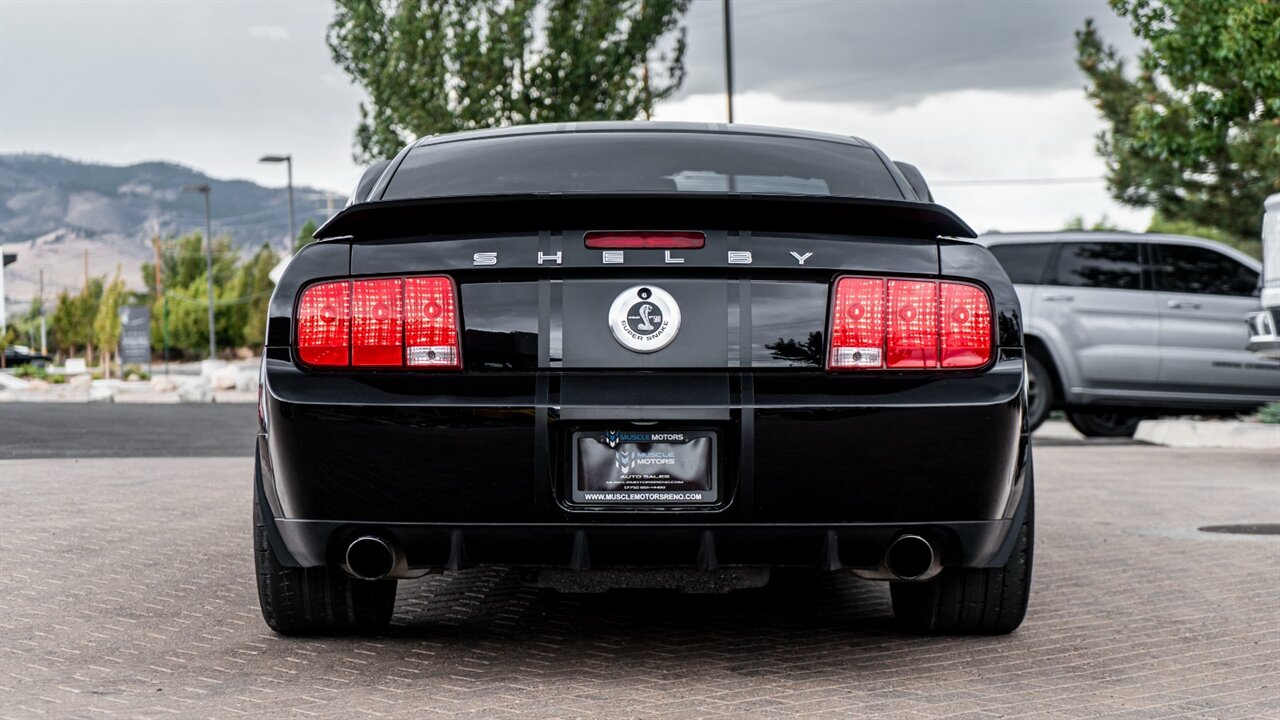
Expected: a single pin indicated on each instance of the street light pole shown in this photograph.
(288, 161)
(728, 58)
(208, 258)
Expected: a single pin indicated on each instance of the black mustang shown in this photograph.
(643, 350)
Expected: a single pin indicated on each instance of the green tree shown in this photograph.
(1195, 134)
(305, 236)
(26, 327)
(8, 336)
(182, 262)
(253, 294)
(1077, 222)
(73, 316)
(1161, 224)
(106, 322)
(188, 321)
(436, 66)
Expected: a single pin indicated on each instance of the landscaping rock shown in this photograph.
(162, 384)
(82, 380)
(224, 378)
(102, 393)
(195, 391)
(247, 380)
(209, 367)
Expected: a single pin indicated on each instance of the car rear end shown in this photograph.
(698, 378)
(1264, 325)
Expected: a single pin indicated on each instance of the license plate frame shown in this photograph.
(673, 467)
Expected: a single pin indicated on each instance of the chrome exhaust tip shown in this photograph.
(911, 557)
(370, 558)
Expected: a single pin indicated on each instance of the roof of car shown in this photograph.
(1061, 236)
(632, 126)
(999, 238)
(1075, 236)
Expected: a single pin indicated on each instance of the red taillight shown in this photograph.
(430, 323)
(383, 322)
(965, 319)
(857, 324)
(377, 323)
(324, 331)
(900, 324)
(912, 333)
(645, 240)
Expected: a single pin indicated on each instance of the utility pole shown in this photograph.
(203, 189)
(728, 57)
(293, 230)
(44, 336)
(208, 269)
(88, 343)
(164, 299)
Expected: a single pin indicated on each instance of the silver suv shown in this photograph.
(1120, 326)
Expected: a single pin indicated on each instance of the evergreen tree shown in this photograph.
(1195, 134)
(305, 236)
(72, 320)
(437, 66)
(106, 322)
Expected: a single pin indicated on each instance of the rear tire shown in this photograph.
(971, 601)
(1040, 395)
(316, 601)
(1104, 424)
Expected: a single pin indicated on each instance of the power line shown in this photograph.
(230, 301)
(1023, 181)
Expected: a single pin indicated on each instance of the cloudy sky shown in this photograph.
(968, 90)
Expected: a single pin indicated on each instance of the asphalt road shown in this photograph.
(126, 590)
(110, 430)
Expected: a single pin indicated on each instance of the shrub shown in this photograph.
(1270, 413)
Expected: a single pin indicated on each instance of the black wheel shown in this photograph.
(316, 601)
(1040, 396)
(1104, 424)
(971, 601)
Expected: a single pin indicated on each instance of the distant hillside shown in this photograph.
(53, 209)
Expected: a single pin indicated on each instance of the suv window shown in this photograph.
(1113, 265)
(1190, 269)
(1023, 262)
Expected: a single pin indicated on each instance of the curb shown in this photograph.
(1209, 434)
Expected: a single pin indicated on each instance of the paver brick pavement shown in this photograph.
(126, 591)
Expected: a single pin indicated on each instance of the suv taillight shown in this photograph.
(407, 322)
(901, 324)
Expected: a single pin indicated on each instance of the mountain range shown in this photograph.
(57, 215)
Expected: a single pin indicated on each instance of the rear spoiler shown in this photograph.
(385, 219)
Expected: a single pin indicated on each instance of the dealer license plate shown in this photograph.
(649, 467)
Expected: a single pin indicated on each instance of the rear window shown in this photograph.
(1112, 265)
(1190, 269)
(648, 162)
(1023, 263)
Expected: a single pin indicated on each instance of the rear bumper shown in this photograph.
(818, 470)
(312, 543)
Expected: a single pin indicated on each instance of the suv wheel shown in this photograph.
(1040, 397)
(316, 601)
(971, 601)
(1104, 424)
